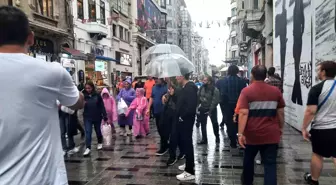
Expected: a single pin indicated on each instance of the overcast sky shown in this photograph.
(214, 37)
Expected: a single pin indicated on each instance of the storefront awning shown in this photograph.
(105, 58)
(75, 54)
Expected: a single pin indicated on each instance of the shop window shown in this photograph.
(44, 7)
(114, 30)
(121, 33)
(92, 11)
(102, 12)
(80, 9)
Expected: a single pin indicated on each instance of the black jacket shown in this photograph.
(187, 101)
(94, 109)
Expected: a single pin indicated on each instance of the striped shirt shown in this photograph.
(262, 101)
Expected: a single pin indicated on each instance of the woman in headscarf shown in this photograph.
(140, 119)
(128, 95)
(110, 107)
(94, 113)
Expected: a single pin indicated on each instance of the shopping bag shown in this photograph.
(122, 107)
(106, 130)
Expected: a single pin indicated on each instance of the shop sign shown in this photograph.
(68, 63)
(99, 66)
(97, 51)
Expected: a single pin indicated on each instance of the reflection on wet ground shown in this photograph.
(133, 162)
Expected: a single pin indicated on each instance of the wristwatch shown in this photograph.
(240, 135)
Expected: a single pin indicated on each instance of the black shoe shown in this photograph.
(137, 137)
(161, 152)
(203, 142)
(171, 161)
(233, 145)
(82, 136)
(181, 157)
(307, 177)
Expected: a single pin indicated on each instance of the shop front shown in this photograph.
(72, 60)
(43, 49)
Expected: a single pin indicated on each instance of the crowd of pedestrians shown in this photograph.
(49, 109)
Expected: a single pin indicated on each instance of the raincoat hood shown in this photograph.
(129, 81)
(140, 92)
(105, 91)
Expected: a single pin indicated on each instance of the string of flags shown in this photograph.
(209, 23)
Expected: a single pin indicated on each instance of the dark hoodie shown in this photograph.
(94, 109)
(187, 101)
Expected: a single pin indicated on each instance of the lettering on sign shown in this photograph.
(306, 74)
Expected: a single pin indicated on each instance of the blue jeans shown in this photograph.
(88, 132)
(268, 154)
(64, 125)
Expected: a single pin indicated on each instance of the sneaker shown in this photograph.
(99, 146)
(161, 152)
(181, 157)
(185, 176)
(73, 151)
(87, 152)
(171, 161)
(182, 167)
(307, 177)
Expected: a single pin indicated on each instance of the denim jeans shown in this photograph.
(88, 132)
(268, 154)
(64, 125)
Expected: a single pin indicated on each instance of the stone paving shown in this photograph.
(133, 162)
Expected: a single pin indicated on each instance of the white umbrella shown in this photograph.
(169, 65)
(160, 49)
(239, 67)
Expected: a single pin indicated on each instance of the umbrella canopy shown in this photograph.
(160, 49)
(239, 67)
(169, 65)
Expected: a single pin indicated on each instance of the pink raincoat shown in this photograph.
(110, 107)
(139, 104)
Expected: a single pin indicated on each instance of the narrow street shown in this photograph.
(133, 162)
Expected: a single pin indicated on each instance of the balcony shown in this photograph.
(97, 30)
(254, 23)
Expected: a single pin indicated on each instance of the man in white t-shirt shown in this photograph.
(30, 149)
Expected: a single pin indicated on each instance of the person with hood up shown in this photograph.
(140, 119)
(110, 107)
(128, 95)
(94, 113)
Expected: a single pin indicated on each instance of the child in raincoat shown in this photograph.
(140, 119)
(110, 107)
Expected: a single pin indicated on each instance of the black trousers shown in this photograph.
(232, 128)
(174, 137)
(185, 130)
(204, 119)
(223, 114)
(163, 130)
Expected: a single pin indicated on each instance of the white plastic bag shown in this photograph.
(122, 107)
(106, 132)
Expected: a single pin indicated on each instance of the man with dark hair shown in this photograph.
(186, 111)
(261, 120)
(272, 79)
(230, 88)
(30, 150)
(321, 109)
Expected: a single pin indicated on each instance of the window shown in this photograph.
(169, 2)
(163, 4)
(233, 54)
(123, 7)
(80, 9)
(45, 7)
(233, 12)
(121, 33)
(92, 11)
(114, 30)
(244, 36)
(243, 5)
(255, 4)
(233, 41)
(102, 12)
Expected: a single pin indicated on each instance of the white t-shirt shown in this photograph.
(30, 141)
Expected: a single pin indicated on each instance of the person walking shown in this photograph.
(230, 88)
(110, 107)
(148, 86)
(155, 103)
(273, 80)
(261, 121)
(128, 95)
(208, 99)
(140, 119)
(321, 115)
(94, 113)
(31, 149)
(186, 112)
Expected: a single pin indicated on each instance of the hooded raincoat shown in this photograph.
(110, 107)
(140, 119)
(128, 95)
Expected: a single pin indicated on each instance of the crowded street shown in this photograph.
(133, 162)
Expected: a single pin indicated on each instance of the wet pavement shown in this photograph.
(133, 162)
